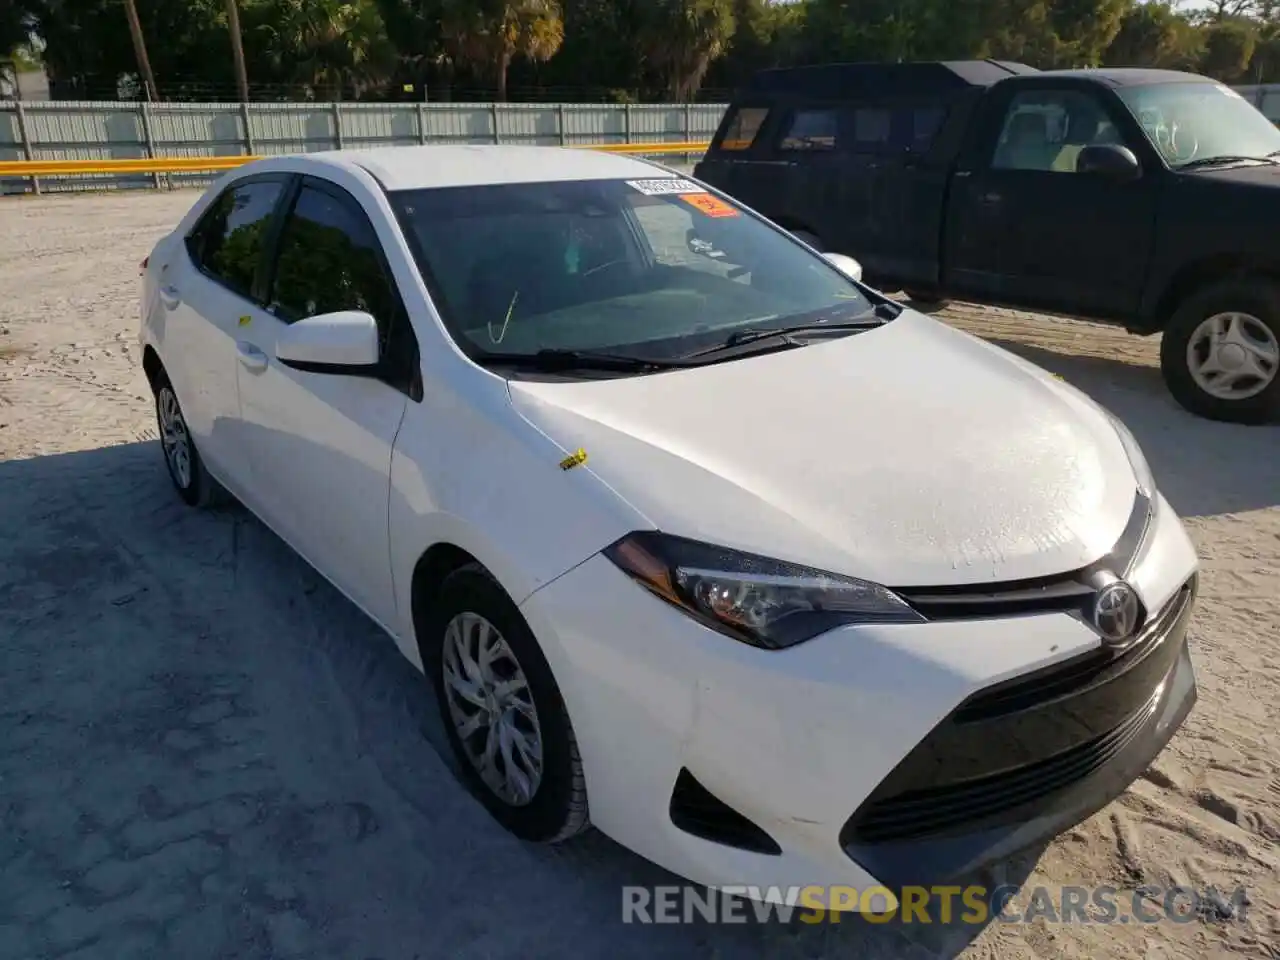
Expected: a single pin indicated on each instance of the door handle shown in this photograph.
(169, 296)
(253, 359)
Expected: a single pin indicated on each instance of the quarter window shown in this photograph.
(329, 261)
(227, 243)
(811, 130)
(745, 124)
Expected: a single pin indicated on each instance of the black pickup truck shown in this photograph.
(1144, 198)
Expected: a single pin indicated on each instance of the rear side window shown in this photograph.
(329, 260)
(894, 129)
(872, 127)
(743, 126)
(811, 130)
(227, 242)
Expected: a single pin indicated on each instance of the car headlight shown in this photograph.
(766, 603)
(1137, 460)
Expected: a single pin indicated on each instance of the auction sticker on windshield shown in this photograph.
(711, 206)
(664, 187)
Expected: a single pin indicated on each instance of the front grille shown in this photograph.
(1014, 744)
(920, 812)
(1075, 676)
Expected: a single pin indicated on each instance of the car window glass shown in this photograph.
(228, 242)
(810, 130)
(329, 261)
(925, 123)
(657, 267)
(741, 132)
(1045, 130)
(872, 127)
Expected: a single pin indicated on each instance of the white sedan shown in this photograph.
(698, 539)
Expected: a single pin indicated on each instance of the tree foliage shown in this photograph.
(621, 49)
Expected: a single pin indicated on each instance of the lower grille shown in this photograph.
(920, 812)
(1014, 744)
(694, 809)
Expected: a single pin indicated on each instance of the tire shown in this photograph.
(556, 807)
(194, 484)
(925, 299)
(1257, 303)
(804, 236)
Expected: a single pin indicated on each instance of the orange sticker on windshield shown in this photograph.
(711, 206)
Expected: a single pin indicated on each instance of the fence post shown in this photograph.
(148, 141)
(688, 127)
(564, 137)
(626, 123)
(337, 123)
(422, 123)
(493, 114)
(248, 129)
(25, 137)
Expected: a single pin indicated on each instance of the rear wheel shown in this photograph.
(186, 468)
(1220, 354)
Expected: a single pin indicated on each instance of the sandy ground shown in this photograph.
(206, 752)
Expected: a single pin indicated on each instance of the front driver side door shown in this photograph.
(1026, 228)
(320, 443)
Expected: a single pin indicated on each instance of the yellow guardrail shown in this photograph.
(77, 168)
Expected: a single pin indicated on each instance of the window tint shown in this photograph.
(925, 123)
(811, 130)
(872, 126)
(329, 261)
(743, 127)
(227, 244)
(1045, 130)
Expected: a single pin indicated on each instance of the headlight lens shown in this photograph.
(1141, 469)
(766, 603)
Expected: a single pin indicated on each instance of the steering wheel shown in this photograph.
(1180, 139)
(607, 265)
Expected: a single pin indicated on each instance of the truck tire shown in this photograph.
(804, 236)
(925, 300)
(1220, 353)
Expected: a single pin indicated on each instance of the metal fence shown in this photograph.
(104, 130)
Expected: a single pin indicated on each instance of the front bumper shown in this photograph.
(874, 756)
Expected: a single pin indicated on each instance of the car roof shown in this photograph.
(467, 165)
(1126, 76)
(835, 80)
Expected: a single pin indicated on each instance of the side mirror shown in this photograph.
(345, 342)
(1110, 160)
(850, 267)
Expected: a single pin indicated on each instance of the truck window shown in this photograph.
(810, 130)
(1045, 130)
(742, 128)
(872, 129)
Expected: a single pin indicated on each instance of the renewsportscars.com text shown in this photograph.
(973, 905)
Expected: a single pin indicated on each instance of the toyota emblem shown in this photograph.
(1116, 611)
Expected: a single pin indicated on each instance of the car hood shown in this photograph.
(911, 454)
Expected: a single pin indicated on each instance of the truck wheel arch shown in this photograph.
(1200, 274)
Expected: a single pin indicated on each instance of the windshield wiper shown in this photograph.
(1272, 158)
(785, 336)
(563, 360)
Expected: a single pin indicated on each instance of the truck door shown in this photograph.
(808, 141)
(1025, 228)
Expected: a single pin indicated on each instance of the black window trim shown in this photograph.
(408, 381)
(763, 132)
(252, 294)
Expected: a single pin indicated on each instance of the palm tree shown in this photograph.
(680, 38)
(489, 34)
(329, 45)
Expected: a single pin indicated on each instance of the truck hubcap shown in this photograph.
(1233, 356)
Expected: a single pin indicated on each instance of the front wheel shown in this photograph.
(1220, 354)
(502, 710)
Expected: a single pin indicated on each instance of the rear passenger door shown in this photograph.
(320, 443)
(208, 291)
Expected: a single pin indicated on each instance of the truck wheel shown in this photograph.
(1220, 354)
(925, 299)
(804, 236)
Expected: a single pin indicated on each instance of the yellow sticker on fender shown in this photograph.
(245, 321)
(575, 459)
(711, 206)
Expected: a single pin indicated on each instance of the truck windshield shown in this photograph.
(656, 268)
(1198, 121)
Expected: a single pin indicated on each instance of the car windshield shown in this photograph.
(1198, 121)
(656, 268)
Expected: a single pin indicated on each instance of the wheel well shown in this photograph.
(429, 573)
(151, 365)
(1195, 276)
